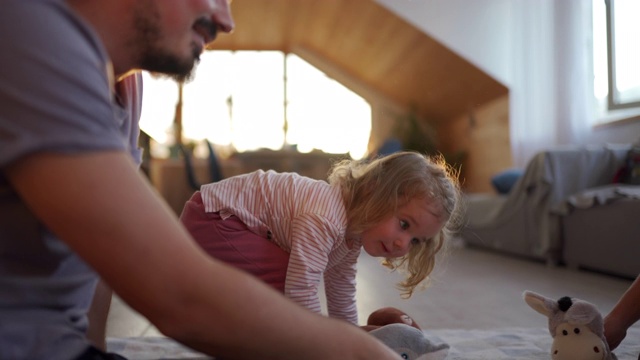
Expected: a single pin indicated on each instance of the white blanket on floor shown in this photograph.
(499, 344)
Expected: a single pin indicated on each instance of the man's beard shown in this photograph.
(154, 58)
(164, 63)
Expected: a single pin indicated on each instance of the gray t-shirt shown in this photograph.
(55, 96)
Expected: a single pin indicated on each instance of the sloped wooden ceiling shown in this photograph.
(370, 43)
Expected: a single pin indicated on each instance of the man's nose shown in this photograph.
(222, 15)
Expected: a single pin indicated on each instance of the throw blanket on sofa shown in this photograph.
(527, 220)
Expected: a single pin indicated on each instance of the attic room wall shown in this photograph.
(484, 136)
(478, 30)
(483, 32)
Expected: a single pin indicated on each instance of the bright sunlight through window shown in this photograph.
(626, 56)
(243, 101)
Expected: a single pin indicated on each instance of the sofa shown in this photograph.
(564, 209)
(604, 234)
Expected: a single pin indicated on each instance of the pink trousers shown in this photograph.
(232, 242)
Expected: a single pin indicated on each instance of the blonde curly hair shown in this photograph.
(374, 189)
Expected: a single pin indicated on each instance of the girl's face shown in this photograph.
(392, 237)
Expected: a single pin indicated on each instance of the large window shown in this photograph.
(616, 31)
(248, 100)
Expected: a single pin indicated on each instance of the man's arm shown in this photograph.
(108, 214)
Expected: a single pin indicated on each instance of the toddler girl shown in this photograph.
(292, 231)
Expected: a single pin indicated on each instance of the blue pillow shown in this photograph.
(504, 181)
(390, 146)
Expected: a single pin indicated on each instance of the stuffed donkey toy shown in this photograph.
(576, 326)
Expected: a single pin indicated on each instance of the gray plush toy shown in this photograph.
(576, 326)
(410, 343)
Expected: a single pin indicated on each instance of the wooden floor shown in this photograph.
(471, 289)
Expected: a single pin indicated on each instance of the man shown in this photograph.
(73, 204)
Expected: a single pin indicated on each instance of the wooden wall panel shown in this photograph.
(484, 134)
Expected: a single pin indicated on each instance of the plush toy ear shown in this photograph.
(541, 304)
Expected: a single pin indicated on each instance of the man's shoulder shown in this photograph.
(45, 25)
(47, 12)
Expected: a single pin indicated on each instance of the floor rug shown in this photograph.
(499, 344)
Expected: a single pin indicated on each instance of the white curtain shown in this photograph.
(551, 92)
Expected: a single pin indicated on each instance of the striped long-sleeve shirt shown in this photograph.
(306, 218)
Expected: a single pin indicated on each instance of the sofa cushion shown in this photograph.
(504, 181)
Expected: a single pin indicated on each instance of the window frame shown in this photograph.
(613, 103)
